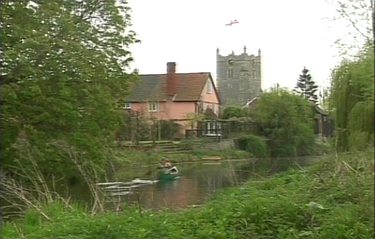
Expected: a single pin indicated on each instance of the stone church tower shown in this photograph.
(238, 77)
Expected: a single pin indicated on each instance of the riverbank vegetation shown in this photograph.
(62, 79)
(141, 157)
(331, 199)
(286, 121)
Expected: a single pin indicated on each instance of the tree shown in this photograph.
(234, 111)
(63, 72)
(306, 87)
(286, 120)
(359, 19)
(352, 102)
(352, 86)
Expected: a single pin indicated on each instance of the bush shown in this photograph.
(256, 145)
(233, 112)
(287, 121)
(169, 130)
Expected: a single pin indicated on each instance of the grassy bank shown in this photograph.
(332, 199)
(148, 157)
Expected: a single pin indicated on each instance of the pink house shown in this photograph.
(178, 97)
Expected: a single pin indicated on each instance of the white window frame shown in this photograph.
(127, 106)
(152, 107)
(213, 129)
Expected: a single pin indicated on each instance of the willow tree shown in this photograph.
(63, 70)
(352, 101)
(359, 19)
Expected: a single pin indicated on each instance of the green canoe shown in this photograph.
(168, 174)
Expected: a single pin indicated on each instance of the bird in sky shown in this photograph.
(232, 22)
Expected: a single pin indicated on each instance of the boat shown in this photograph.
(168, 173)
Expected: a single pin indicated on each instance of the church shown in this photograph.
(238, 77)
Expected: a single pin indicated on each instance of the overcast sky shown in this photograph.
(291, 34)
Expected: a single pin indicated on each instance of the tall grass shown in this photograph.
(24, 186)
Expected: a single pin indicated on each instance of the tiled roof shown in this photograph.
(154, 87)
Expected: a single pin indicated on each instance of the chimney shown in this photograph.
(171, 67)
(171, 79)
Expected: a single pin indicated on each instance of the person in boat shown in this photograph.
(168, 164)
(165, 163)
(166, 168)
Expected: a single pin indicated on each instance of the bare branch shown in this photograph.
(353, 23)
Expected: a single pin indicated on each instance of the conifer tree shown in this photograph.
(306, 87)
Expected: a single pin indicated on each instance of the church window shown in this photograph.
(230, 73)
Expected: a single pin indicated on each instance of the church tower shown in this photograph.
(238, 77)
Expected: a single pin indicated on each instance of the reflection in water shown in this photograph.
(200, 180)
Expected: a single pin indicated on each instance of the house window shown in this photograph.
(209, 87)
(152, 107)
(127, 106)
(213, 128)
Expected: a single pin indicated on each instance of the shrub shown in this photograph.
(287, 121)
(169, 130)
(256, 145)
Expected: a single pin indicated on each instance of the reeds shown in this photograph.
(25, 187)
(88, 173)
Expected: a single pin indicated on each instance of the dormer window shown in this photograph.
(127, 106)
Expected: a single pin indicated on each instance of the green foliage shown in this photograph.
(306, 87)
(234, 112)
(256, 145)
(236, 127)
(62, 75)
(352, 101)
(168, 129)
(286, 120)
(137, 128)
(333, 199)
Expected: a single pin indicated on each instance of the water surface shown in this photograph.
(197, 183)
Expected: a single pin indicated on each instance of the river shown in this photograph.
(197, 182)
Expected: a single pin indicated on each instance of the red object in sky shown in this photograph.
(232, 22)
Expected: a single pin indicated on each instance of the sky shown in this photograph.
(291, 34)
